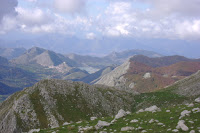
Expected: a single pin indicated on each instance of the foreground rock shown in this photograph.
(181, 125)
(101, 124)
(50, 103)
(127, 128)
(197, 100)
(153, 108)
(121, 113)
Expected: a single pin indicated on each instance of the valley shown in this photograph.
(50, 92)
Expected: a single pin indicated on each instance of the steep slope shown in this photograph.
(28, 55)
(94, 77)
(12, 78)
(50, 103)
(15, 78)
(3, 61)
(115, 77)
(145, 74)
(11, 53)
(143, 78)
(189, 86)
(5, 89)
(43, 57)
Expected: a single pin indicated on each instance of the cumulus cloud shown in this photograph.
(33, 16)
(7, 8)
(160, 8)
(179, 19)
(31, 0)
(90, 36)
(70, 6)
(121, 19)
(188, 29)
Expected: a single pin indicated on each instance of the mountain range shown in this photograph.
(53, 103)
(37, 63)
(145, 71)
(104, 45)
(11, 53)
(145, 74)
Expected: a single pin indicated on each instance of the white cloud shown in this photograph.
(178, 19)
(33, 16)
(8, 23)
(188, 29)
(160, 8)
(90, 36)
(31, 0)
(121, 19)
(70, 6)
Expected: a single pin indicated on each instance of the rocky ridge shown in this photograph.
(140, 73)
(50, 103)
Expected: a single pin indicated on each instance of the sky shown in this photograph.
(170, 19)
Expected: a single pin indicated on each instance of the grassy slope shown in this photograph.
(169, 119)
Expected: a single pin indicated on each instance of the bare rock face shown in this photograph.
(189, 86)
(120, 114)
(153, 108)
(51, 103)
(101, 124)
(181, 125)
(115, 77)
(147, 75)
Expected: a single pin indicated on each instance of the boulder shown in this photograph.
(181, 125)
(93, 118)
(127, 128)
(185, 113)
(196, 110)
(121, 113)
(141, 110)
(66, 123)
(151, 121)
(153, 108)
(133, 121)
(101, 124)
(34, 130)
(197, 100)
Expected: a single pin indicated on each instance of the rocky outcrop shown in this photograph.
(115, 77)
(189, 86)
(51, 103)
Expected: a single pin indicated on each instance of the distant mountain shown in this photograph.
(43, 57)
(51, 103)
(122, 56)
(11, 53)
(104, 45)
(13, 79)
(94, 77)
(160, 61)
(5, 89)
(113, 58)
(73, 74)
(90, 61)
(145, 74)
(3, 61)
(66, 106)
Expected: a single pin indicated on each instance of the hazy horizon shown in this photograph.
(99, 27)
